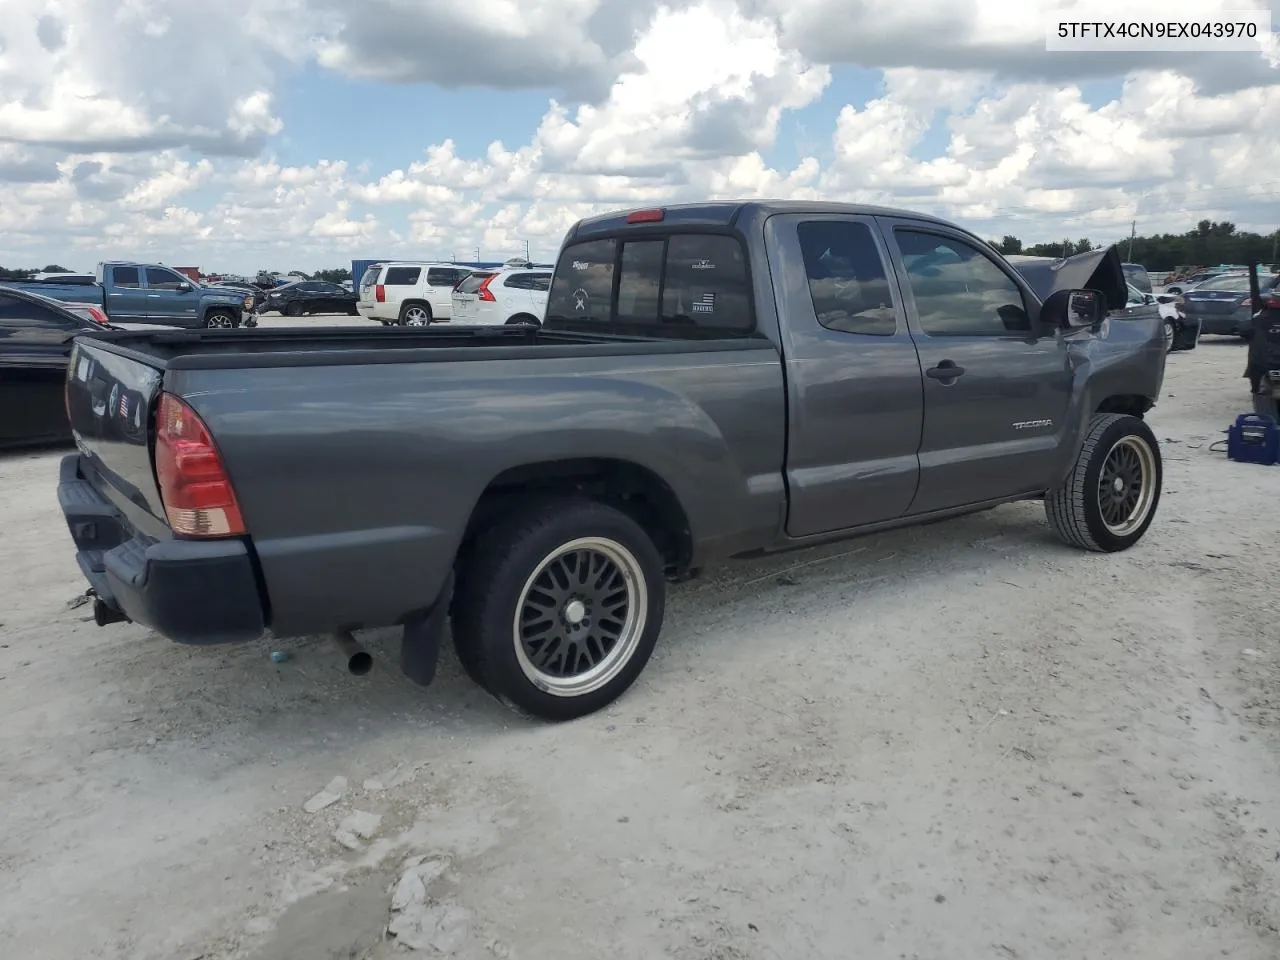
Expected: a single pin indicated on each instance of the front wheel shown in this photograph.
(1170, 335)
(559, 606)
(219, 320)
(1109, 498)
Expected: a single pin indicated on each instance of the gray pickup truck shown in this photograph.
(711, 380)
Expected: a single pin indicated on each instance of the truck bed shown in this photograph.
(91, 293)
(173, 349)
(358, 455)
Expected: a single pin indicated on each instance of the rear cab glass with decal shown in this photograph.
(669, 284)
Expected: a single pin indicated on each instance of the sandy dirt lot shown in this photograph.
(960, 741)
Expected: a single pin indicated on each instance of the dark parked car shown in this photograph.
(1223, 305)
(36, 335)
(710, 380)
(310, 296)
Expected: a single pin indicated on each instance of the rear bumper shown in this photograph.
(191, 591)
(1223, 325)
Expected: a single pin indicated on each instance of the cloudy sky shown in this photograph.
(301, 133)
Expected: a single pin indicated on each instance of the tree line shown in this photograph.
(1208, 244)
(28, 273)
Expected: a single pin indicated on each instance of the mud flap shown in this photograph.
(420, 645)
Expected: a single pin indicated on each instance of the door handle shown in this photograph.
(946, 370)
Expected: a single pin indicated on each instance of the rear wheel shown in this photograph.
(415, 315)
(559, 606)
(524, 318)
(292, 309)
(1109, 498)
(1170, 335)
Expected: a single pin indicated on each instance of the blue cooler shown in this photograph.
(1254, 439)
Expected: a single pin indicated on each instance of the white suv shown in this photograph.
(516, 295)
(411, 294)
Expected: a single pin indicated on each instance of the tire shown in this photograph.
(415, 314)
(1170, 336)
(1175, 290)
(292, 309)
(1075, 510)
(219, 320)
(511, 567)
(524, 318)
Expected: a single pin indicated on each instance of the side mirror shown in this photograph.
(1072, 310)
(183, 288)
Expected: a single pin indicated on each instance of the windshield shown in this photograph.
(1137, 276)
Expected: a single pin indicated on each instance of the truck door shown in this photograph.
(126, 297)
(996, 388)
(853, 378)
(171, 298)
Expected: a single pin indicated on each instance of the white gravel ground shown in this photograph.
(960, 741)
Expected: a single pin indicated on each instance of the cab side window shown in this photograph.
(848, 283)
(158, 279)
(958, 291)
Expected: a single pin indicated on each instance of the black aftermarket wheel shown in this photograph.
(558, 607)
(1109, 498)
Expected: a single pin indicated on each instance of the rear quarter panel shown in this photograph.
(357, 481)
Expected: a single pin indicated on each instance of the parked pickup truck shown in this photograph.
(150, 293)
(711, 380)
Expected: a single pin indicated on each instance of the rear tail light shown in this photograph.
(1271, 303)
(380, 293)
(198, 498)
(483, 290)
(99, 317)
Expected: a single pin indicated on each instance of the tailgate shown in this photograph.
(110, 400)
(464, 305)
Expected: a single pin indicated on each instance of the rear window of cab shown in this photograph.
(681, 286)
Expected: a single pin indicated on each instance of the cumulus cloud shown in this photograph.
(162, 143)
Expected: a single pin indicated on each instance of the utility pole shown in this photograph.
(1133, 232)
(477, 252)
(526, 252)
(1275, 239)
